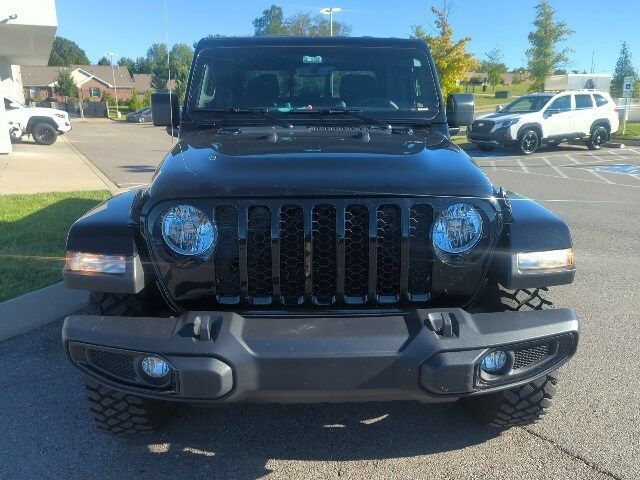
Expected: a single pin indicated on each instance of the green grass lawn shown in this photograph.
(487, 101)
(632, 132)
(33, 232)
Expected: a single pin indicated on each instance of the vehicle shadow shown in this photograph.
(239, 441)
(139, 168)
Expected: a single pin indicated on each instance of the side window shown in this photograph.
(561, 104)
(583, 102)
(7, 104)
(600, 100)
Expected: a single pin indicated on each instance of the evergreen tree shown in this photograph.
(624, 68)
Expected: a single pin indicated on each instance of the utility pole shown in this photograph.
(593, 53)
(113, 72)
(329, 11)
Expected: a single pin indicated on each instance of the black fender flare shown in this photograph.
(110, 228)
(530, 125)
(533, 228)
(33, 121)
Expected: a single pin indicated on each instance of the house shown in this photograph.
(92, 81)
(142, 83)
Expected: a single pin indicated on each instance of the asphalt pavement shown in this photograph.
(592, 431)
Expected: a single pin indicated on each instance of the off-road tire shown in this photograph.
(121, 413)
(44, 134)
(115, 304)
(528, 142)
(598, 138)
(518, 406)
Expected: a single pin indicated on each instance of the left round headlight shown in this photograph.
(457, 229)
(188, 231)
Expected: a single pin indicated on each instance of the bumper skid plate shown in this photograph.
(431, 355)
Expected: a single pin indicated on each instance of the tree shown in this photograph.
(451, 57)
(141, 65)
(136, 102)
(624, 68)
(104, 61)
(65, 86)
(127, 62)
(157, 59)
(65, 52)
(180, 62)
(519, 75)
(545, 56)
(273, 23)
(494, 66)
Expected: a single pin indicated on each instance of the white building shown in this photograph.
(27, 30)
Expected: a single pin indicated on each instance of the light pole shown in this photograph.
(113, 72)
(329, 11)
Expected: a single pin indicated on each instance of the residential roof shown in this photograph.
(46, 76)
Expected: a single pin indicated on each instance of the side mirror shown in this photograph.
(460, 108)
(548, 113)
(165, 110)
(498, 108)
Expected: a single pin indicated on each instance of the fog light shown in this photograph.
(155, 367)
(494, 361)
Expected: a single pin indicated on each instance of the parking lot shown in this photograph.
(592, 431)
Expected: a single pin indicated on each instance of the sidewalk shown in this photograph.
(33, 168)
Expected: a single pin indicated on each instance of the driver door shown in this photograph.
(559, 117)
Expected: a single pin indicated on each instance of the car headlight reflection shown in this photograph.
(457, 229)
(188, 231)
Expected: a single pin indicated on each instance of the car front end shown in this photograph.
(494, 130)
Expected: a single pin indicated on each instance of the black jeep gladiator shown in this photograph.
(314, 236)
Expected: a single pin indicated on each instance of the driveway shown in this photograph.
(591, 432)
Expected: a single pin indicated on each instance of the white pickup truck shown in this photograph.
(43, 124)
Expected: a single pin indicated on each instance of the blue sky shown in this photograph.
(599, 27)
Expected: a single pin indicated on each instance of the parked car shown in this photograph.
(140, 116)
(43, 124)
(548, 118)
(315, 236)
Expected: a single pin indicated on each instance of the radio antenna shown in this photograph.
(166, 33)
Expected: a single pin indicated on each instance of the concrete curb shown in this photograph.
(33, 310)
(112, 187)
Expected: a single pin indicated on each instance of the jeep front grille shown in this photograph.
(323, 253)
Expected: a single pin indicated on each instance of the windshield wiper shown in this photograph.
(258, 112)
(357, 114)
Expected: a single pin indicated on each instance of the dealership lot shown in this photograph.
(592, 431)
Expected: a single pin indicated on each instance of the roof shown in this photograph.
(142, 83)
(309, 41)
(46, 76)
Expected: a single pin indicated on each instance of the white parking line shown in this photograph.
(523, 167)
(595, 174)
(560, 172)
(493, 166)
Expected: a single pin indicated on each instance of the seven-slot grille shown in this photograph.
(323, 253)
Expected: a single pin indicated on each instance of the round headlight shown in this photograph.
(188, 231)
(457, 229)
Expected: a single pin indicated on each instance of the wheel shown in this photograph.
(485, 148)
(141, 119)
(529, 142)
(598, 138)
(521, 405)
(121, 413)
(44, 134)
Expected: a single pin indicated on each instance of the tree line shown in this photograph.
(546, 54)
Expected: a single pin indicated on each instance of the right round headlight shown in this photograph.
(457, 229)
(188, 231)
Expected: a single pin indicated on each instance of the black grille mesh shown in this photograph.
(324, 252)
(227, 258)
(259, 251)
(112, 363)
(528, 356)
(388, 244)
(420, 249)
(356, 250)
(291, 252)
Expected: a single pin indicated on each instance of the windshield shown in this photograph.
(528, 103)
(384, 81)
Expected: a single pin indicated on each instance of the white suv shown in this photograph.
(43, 124)
(548, 119)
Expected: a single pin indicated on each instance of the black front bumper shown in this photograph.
(427, 355)
(497, 138)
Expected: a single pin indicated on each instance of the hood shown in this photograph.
(45, 112)
(264, 162)
(500, 116)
